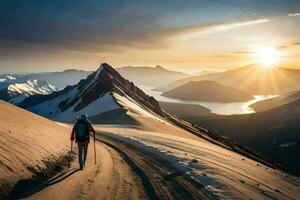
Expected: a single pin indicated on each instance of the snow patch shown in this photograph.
(10, 77)
(31, 87)
(102, 104)
(99, 70)
(136, 107)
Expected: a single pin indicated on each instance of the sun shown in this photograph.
(267, 57)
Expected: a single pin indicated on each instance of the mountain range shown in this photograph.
(17, 92)
(142, 76)
(58, 79)
(150, 76)
(251, 79)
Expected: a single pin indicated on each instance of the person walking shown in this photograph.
(81, 133)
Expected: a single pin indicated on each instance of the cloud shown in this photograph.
(293, 14)
(243, 52)
(216, 27)
(289, 44)
(238, 24)
(39, 27)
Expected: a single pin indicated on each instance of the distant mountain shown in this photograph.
(274, 132)
(58, 79)
(6, 80)
(206, 72)
(210, 91)
(101, 92)
(17, 92)
(150, 76)
(251, 79)
(276, 102)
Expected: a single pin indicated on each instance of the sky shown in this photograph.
(186, 35)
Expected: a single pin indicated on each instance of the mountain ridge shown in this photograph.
(150, 76)
(102, 83)
(17, 92)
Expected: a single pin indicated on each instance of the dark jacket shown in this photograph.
(91, 130)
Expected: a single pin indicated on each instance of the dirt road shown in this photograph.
(110, 178)
(122, 172)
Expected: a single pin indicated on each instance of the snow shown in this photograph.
(47, 108)
(100, 105)
(20, 91)
(51, 110)
(224, 174)
(86, 88)
(99, 70)
(10, 77)
(94, 79)
(135, 107)
(2, 80)
(31, 87)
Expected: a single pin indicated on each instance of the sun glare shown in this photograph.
(267, 57)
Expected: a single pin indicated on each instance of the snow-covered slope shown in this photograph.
(222, 173)
(94, 95)
(31, 87)
(17, 92)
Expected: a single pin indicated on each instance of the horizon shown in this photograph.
(51, 36)
(191, 72)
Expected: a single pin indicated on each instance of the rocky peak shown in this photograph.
(105, 80)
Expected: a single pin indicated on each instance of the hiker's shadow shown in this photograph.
(27, 187)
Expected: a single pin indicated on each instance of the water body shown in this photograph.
(215, 107)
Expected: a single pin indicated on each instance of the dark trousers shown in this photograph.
(82, 153)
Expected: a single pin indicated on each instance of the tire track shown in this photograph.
(160, 179)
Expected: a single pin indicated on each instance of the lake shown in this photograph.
(215, 107)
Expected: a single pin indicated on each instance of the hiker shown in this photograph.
(81, 132)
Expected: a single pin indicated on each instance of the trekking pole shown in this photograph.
(95, 149)
(71, 154)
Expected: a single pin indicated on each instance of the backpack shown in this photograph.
(82, 134)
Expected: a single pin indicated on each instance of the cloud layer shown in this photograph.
(293, 14)
(35, 28)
